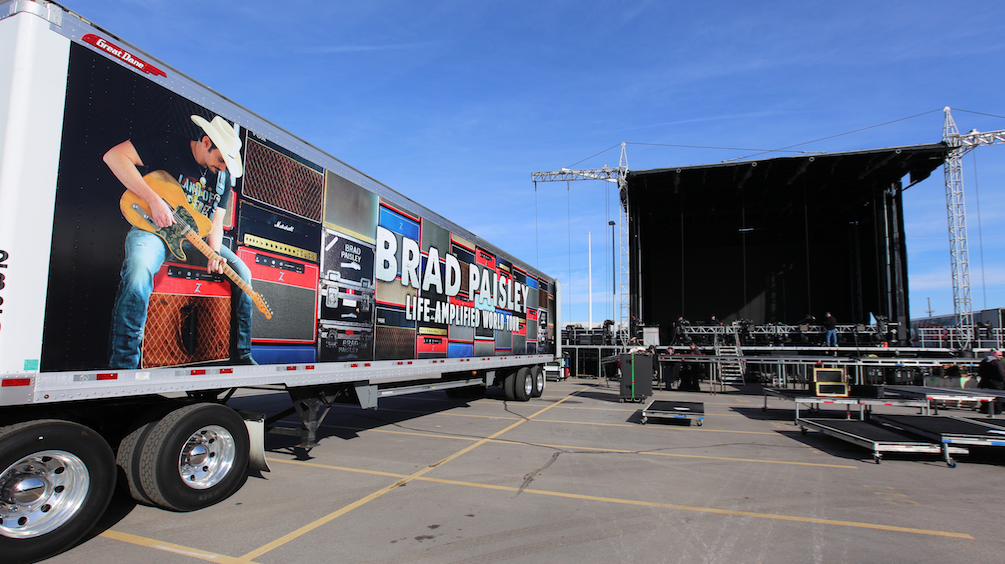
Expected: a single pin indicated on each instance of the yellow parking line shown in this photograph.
(170, 547)
(733, 512)
(636, 425)
(415, 476)
(613, 450)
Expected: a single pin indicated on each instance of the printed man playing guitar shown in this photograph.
(203, 168)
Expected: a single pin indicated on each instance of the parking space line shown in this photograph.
(363, 501)
(732, 512)
(171, 547)
(617, 451)
(636, 425)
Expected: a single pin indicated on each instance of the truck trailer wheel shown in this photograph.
(56, 479)
(523, 386)
(537, 372)
(194, 457)
(509, 386)
(128, 458)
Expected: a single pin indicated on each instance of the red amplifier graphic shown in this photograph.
(288, 285)
(431, 342)
(188, 318)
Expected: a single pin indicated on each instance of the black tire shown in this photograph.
(207, 443)
(540, 382)
(523, 386)
(509, 386)
(75, 489)
(128, 459)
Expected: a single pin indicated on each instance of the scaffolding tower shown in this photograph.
(959, 254)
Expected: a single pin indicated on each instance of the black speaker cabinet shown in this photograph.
(636, 376)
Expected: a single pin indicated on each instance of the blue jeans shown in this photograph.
(145, 253)
(832, 335)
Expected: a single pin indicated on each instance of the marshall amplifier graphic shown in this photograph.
(275, 176)
(338, 343)
(347, 289)
(291, 288)
(277, 232)
(188, 318)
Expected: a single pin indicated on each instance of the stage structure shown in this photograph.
(616, 175)
(774, 240)
(960, 145)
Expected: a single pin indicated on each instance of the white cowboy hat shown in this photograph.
(222, 135)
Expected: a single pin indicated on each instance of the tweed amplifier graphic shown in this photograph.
(188, 318)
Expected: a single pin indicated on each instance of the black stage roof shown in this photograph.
(774, 239)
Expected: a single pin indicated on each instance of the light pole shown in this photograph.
(614, 273)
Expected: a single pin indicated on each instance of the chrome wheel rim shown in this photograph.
(40, 492)
(207, 457)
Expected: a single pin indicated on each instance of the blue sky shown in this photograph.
(455, 104)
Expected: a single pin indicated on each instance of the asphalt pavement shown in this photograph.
(573, 477)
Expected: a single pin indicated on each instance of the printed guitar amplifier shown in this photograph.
(484, 347)
(350, 209)
(519, 344)
(460, 350)
(394, 335)
(531, 325)
(532, 292)
(283, 354)
(503, 338)
(464, 251)
(277, 177)
(431, 342)
(338, 343)
(291, 288)
(188, 318)
(276, 232)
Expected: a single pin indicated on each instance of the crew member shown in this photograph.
(830, 323)
(991, 374)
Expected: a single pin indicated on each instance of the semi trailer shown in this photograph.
(162, 247)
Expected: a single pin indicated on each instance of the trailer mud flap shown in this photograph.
(256, 433)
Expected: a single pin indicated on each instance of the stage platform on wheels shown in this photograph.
(865, 404)
(879, 438)
(676, 410)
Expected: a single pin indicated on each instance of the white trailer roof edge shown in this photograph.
(75, 26)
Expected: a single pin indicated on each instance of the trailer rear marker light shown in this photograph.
(201, 372)
(226, 371)
(110, 376)
(16, 382)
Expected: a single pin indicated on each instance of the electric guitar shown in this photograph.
(189, 225)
